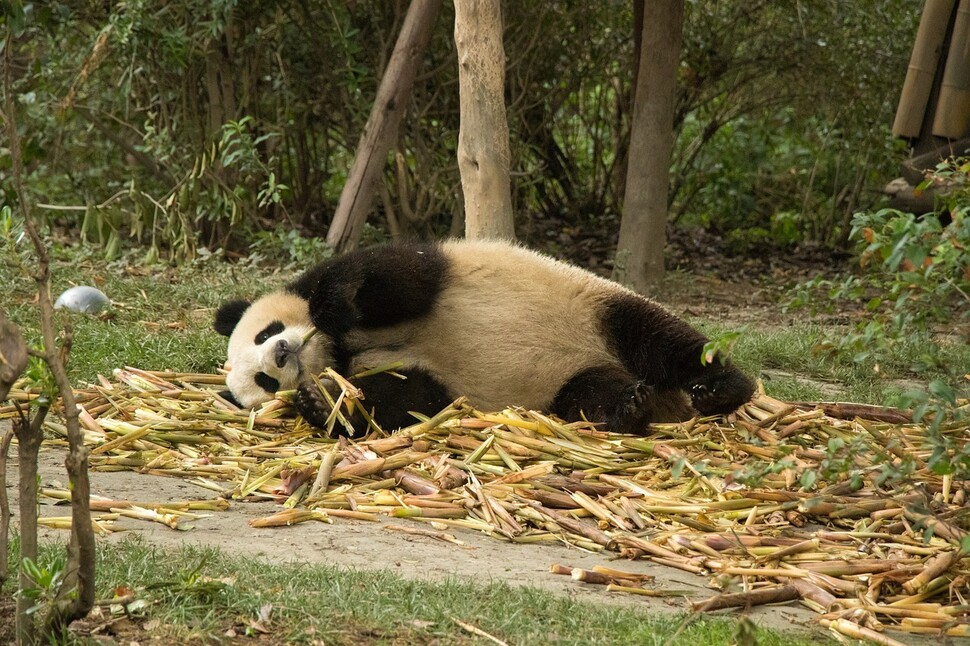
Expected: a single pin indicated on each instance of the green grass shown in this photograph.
(795, 350)
(160, 316)
(200, 593)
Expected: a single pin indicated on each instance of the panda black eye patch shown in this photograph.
(266, 382)
(272, 329)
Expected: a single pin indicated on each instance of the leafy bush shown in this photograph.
(915, 281)
(288, 248)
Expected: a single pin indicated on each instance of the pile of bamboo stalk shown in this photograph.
(744, 501)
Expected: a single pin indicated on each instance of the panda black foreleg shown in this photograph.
(391, 398)
(613, 396)
(373, 288)
(388, 398)
(311, 404)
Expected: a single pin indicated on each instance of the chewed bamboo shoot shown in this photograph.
(851, 553)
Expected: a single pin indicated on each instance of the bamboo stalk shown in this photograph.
(776, 594)
(622, 574)
(798, 548)
(290, 517)
(808, 591)
(933, 568)
(526, 477)
(855, 631)
(645, 592)
(417, 531)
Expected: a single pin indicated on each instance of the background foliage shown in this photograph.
(197, 123)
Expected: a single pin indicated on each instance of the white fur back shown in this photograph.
(510, 327)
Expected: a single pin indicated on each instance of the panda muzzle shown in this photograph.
(281, 353)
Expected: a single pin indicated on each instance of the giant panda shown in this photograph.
(501, 324)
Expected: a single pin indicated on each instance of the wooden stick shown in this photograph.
(849, 410)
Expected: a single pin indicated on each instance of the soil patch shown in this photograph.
(8, 625)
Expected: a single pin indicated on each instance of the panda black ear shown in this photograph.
(228, 315)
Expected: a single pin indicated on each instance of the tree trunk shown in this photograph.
(29, 436)
(483, 139)
(643, 228)
(381, 129)
(75, 596)
(13, 360)
(625, 106)
(5, 441)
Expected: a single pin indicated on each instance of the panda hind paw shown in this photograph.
(637, 395)
(634, 410)
(722, 393)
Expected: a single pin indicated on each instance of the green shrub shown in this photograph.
(915, 281)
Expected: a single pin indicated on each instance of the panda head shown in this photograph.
(267, 351)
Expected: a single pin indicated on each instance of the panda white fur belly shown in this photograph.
(496, 322)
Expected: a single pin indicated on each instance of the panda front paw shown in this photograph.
(700, 393)
(311, 403)
(705, 399)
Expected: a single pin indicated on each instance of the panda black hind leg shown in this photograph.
(664, 352)
(612, 395)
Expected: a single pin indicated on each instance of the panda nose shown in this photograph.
(281, 352)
